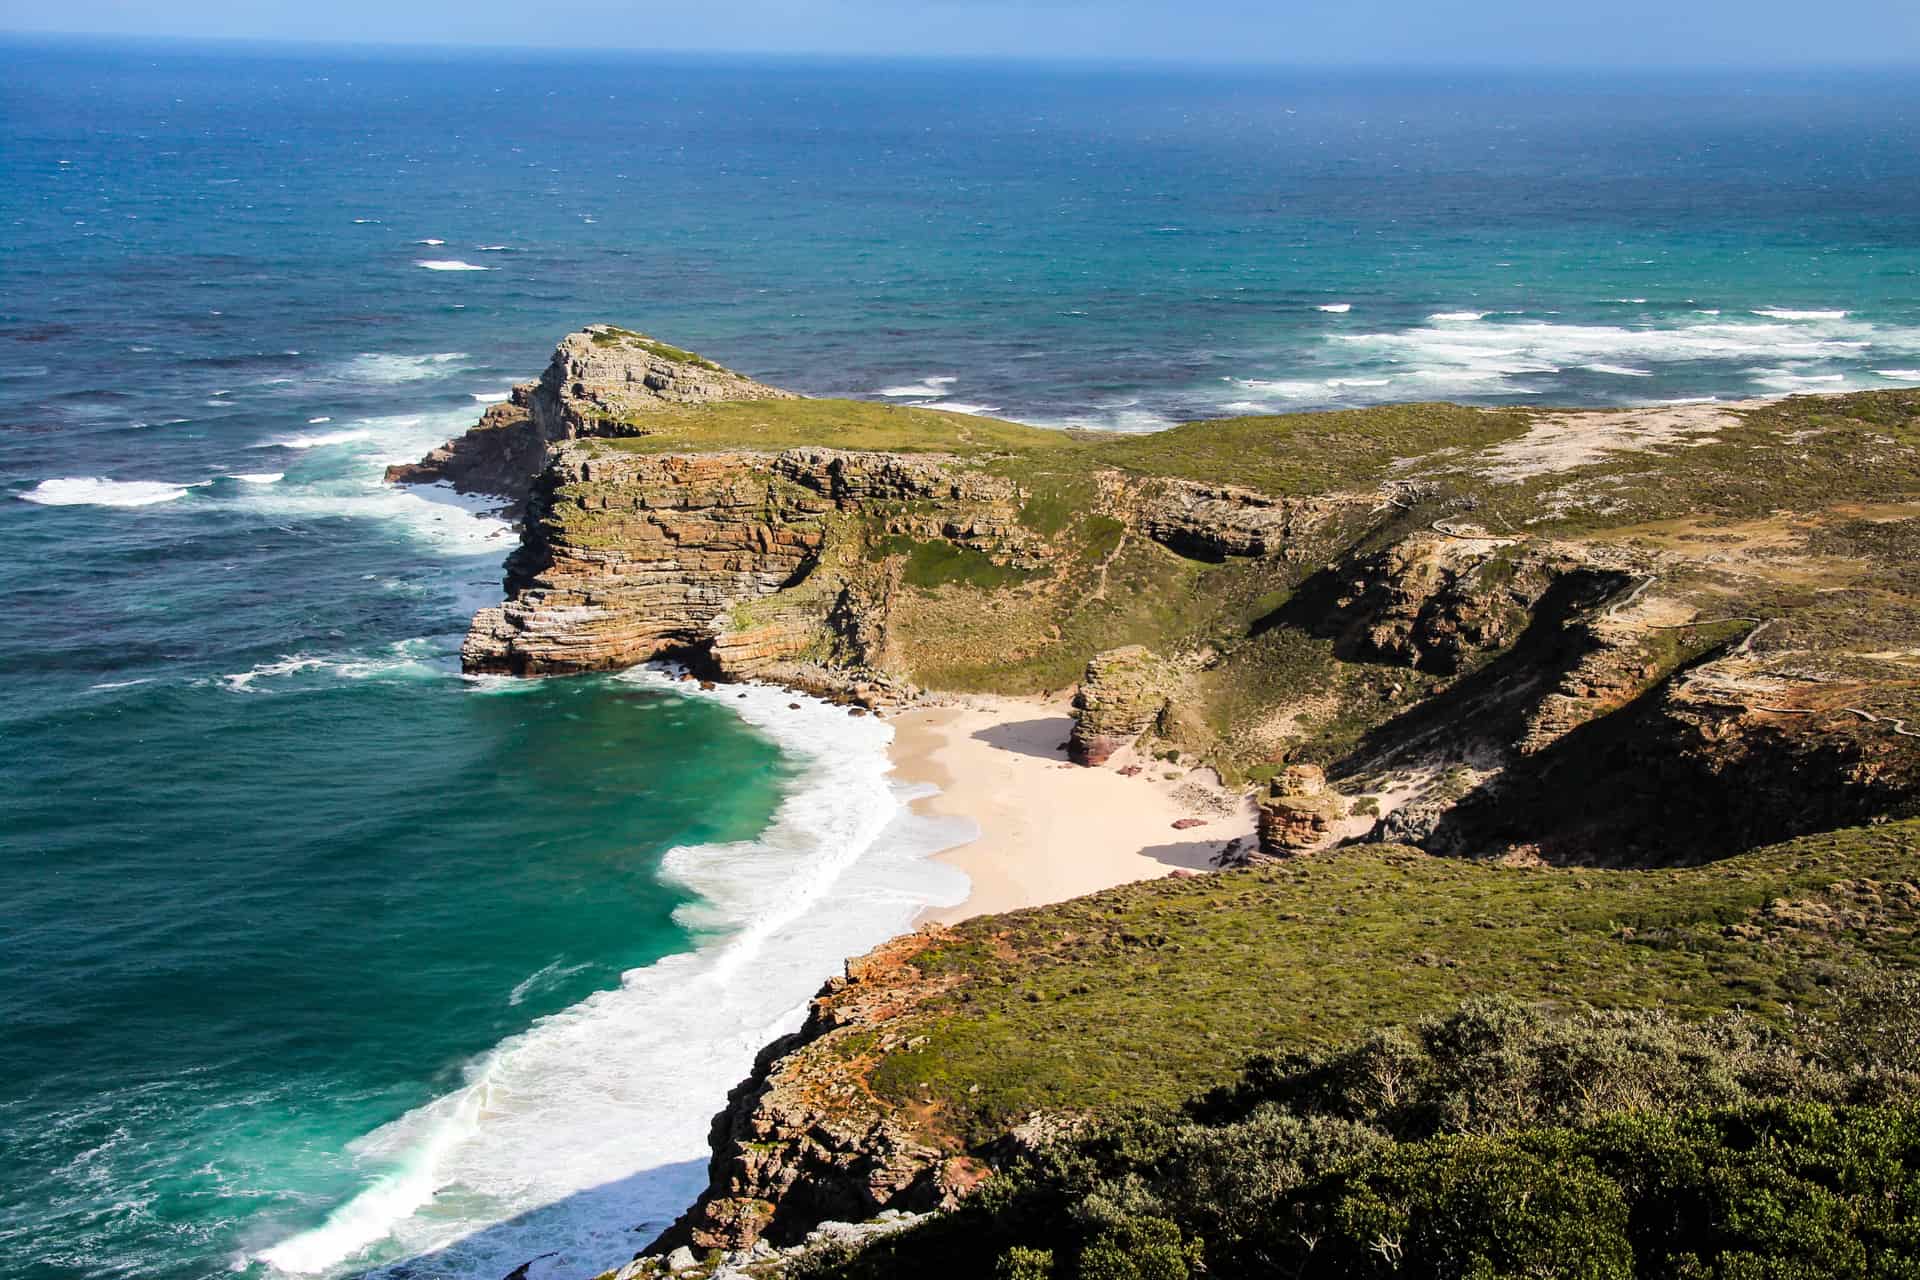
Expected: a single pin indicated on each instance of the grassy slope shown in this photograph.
(1153, 992)
(966, 628)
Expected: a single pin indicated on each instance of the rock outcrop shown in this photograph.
(1217, 521)
(631, 555)
(602, 381)
(801, 1141)
(1121, 695)
(1299, 813)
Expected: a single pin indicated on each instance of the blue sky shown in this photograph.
(1342, 32)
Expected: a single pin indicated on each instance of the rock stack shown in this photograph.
(1123, 693)
(1299, 812)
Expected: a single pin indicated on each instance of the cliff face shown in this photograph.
(804, 1140)
(601, 381)
(1421, 626)
(627, 556)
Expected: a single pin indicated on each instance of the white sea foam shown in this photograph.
(98, 491)
(490, 397)
(1619, 370)
(1782, 313)
(1335, 308)
(121, 684)
(1900, 375)
(258, 477)
(1500, 357)
(312, 421)
(921, 389)
(494, 248)
(587, 1132)
(430, 242)
(449, 264)
(963, 406)
(1456, 317)
(385, 367)
(315, 439)
(541, 979)
(1788, 380)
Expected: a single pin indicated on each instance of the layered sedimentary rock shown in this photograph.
(1217, 521)
(1121, 695)
(601, 381)
(1299, 812)
(1433, 600)
(629, 555)
(801, 1141)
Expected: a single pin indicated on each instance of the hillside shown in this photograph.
(1587, 709)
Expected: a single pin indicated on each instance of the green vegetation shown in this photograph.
(1152, 992)
(936, 564)
(1498, 1140)
(1300, 453)
(833, 424)
(610, 336)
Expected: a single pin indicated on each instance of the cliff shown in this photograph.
(1547, 645)
(602, 380)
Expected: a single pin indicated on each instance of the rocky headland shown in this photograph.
(1550, 683)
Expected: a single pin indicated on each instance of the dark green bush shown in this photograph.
(1498, 1141)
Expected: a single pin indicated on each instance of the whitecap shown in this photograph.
(315, 439)
(258, 477)
(962, 406)
(490, 397)
(120, 684)
(1788, 380)
(1900, 375)
(1456, 317)
(541, 979)
(1782, 313)
(384, 367)
(316, 421)
(493, 248)
(1358, 382)
(430, 242)
(98, 491)
(1335, 308)
(587, 1131)
(449, 264)
(1620, 371)
(925, 387)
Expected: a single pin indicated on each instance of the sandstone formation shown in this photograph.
(1299, 812)
(1121, 695)
(602, 381)
(632, 555)
(801, 1141)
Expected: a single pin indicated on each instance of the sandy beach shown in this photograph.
(1051, 830)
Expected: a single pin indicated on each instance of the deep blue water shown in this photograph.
(305, 941)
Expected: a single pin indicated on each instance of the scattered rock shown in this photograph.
(1187, 824)
(681, 1259)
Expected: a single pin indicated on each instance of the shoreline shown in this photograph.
(1050, 830)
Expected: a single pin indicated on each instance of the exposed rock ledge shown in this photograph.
(602, 380)
(801, 1142)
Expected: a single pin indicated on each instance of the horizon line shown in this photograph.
(1095, 60)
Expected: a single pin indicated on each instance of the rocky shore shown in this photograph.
(1609, 639)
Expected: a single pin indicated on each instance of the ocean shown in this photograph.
(318, 959)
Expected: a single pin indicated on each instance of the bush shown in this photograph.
(1497, 1141)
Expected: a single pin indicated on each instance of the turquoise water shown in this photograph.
(315, 957)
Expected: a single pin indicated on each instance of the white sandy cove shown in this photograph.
(1050, 830)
